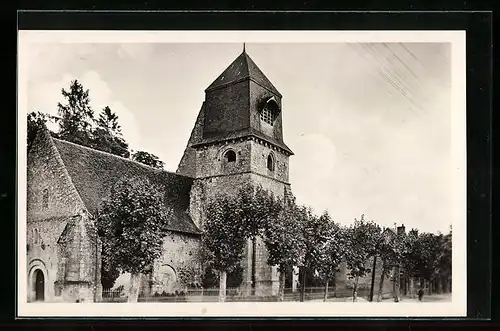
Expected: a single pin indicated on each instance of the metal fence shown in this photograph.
(232, 295)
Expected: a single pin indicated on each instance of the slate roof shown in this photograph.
(94, 173)
(242, 68)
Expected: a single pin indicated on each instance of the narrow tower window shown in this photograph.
(45, 198)
(36, 236)
(267, 115)
(230, 156)
(270, 162)
(269, 111)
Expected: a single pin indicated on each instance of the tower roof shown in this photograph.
(242, 68)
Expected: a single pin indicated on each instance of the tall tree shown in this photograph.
(431, 249)
(223, 240)
(412, 257)
(390, 250)
(75, 116)
(133, 222)
(231, 220)
(284, 242)
(315, 236)
(361, 240)
(107, 136)
(331, 253)
(444, 263)
(148, 159)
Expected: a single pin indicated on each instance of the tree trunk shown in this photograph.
(355, 290)
(222, 286)
(373, 277)
(440, 284)
(326, 290)
(303, 284)
(381, 285)
(281, 289)
(135, 283)
(412, 288)
(396, 284)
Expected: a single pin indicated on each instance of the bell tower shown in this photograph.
(238, 139)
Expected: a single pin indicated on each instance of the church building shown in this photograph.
(237, 138)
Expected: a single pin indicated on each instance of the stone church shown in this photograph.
(237, 139)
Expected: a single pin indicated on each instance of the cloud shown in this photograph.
(311, 173)
(45, 96)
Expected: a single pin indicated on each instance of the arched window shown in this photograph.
(270, 162)
(45, 198)
(230, 156)
(36, 236)
(269, 111)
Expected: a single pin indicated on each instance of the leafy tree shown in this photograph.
(315, 235)
(284, 242)
(390, 252)
(231, 220)
(331, 253)
(361, 244)
(209, 279)
(223, 240)
(75, 117)
(133, 222)
(431, 247)
(412, 256)
(107, 136)
(148, 159)
(444, 263)
(109, 271)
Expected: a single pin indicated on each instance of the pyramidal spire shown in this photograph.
(242, 68)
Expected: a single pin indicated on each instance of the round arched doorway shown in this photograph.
(39, 285)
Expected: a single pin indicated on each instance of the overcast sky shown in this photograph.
(369, 123)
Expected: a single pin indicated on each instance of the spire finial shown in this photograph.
(244, 48)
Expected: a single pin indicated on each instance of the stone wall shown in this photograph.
(178, 267)
(181, 252)
(211, 161)
(79, 267)
(258, 94)
(42, 254)
(52, 201)
(47, 176)
(226, 109)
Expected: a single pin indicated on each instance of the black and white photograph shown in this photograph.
(242, 173)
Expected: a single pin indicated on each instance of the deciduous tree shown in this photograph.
(284, 242)
(361, 239)
(223, 240)
(148, 159)
(331, 253)
(231, 220)
(315, 235)
(132, 221)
